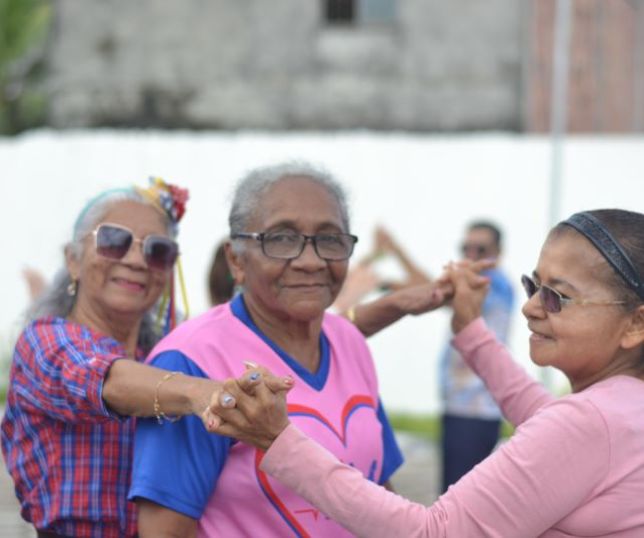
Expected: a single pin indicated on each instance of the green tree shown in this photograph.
(23, 30)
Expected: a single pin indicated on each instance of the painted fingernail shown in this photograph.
(227, 400)
(289, 381)
(250, 364)
(254, 376)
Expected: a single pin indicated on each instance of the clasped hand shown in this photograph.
(251, 408)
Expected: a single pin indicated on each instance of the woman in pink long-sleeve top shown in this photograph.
(575, 465)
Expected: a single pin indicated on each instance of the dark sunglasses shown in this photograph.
(552, 300)
(114, 242)
(476, 248)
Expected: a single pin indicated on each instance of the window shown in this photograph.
(376, 11)
(340, 11)
(363, 12)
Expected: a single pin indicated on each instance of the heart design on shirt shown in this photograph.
(343, 442)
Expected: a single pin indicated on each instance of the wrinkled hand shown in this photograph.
(423, 298)
(470, 290)
(219, 395)
(251, 408)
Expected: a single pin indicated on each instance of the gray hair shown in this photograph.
(56, 301)
(250, 188)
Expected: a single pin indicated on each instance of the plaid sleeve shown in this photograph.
(59, 369)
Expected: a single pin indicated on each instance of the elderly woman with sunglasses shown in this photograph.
(75, 375)
(574, 466)
(289, 250)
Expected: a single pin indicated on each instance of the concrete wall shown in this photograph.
(255, 64)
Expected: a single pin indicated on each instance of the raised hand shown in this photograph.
(470, 290)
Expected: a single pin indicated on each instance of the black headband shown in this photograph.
(591, 227)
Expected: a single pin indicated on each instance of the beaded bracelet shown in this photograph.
(157, 406)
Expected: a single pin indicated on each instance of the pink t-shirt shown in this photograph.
(341, 414)
(574, 467)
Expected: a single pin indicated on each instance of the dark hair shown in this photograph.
(221, 284)
(627, 228)
(490, 227)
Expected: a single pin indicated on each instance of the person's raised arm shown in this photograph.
(415, 275)
(361, 280)
(375, 315)
(517, 394)
(523, 489)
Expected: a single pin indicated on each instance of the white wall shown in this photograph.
(423, 188)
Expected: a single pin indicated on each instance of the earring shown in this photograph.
(72, 287)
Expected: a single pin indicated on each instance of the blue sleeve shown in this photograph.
(498, 305)
(392, 456)
(177, 464)
(501, 292)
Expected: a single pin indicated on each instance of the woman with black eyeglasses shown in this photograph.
(289, 250)
(574, 466)
(76, 375)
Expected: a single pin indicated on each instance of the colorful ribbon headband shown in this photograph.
(171, 200)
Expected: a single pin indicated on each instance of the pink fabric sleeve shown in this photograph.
(529, 484)
(516, 393)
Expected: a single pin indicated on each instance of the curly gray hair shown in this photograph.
(250, 188)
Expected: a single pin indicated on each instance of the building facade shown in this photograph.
(421, 65)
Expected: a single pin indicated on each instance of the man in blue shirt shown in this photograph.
(471, 420)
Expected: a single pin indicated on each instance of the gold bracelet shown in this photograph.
(157, 406)
(351, 314)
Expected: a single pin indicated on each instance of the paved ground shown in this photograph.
(416, 480)
(419, 478)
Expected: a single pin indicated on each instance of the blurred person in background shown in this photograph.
(35, 281)
(221, 283)
(471, 420)
(76, 375)
(574, 465)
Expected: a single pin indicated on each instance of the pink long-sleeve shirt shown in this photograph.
(574, 466)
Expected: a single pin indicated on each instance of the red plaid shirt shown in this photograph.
(69, 456)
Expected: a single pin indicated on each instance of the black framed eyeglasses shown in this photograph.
(552, 300)
(289, 245)
(113, 241)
